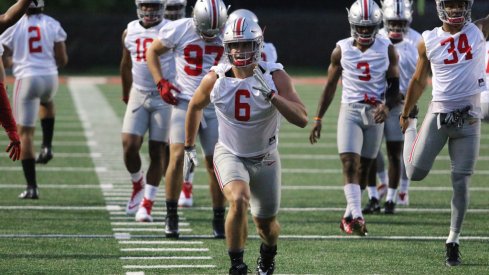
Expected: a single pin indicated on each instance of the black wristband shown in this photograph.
(186, 148)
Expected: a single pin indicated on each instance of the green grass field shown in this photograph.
(79, 226)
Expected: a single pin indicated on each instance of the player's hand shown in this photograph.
(165, 88)
(265, 90)
(190, 161)
(404, 122)
(14, 145)
(125, 99)
(315, 132)
(380, 113)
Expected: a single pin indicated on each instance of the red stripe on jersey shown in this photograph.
(214, 14)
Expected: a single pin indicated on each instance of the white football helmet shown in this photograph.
(175, 9)
(398, 15)
(209, 17)
(40, 4)
(150, 17)
(364, 13)
(457, 17)
(242, 13)
(240, 31)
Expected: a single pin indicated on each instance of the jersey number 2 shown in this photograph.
(242, 110)
(462, 47)
(197, 59)
(35, 38)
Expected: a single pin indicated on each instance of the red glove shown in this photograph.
(14, 145)
(165, 87)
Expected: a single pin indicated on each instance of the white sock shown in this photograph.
(135, 177)
(372, 192)
(383, 177)
(404, 186)
(412, 123)
(391, 194)
(347, 212)
(150, 192)
(453, 237)
(354, 199)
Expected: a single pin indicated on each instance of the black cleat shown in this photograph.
(372, 207)
(414, 112)
(30, 193)
(263, 270)
(389, 207)
(218, 228)
(171, 226)
(45, 155)
(241, 269)
(452, 255)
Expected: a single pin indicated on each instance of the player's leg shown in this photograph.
(403, 194)
(463, 147)
(135, 125)
(208, 139)
(47, 116)
(382, 174)
(234, 179)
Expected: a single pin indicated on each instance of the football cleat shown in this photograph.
(45, 155)
(389, 207)
(358, 227)
(262, 270)
(382, 190)
(403, 198)
(452, 255)
(218, 228)
(171, 226)
(144, 211)
(136, 197)
(30, 193)
(241, 269)
(345, 225)
(185, 199)
(372, 206)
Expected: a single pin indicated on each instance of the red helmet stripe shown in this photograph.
(365, 9)
(214, 14)
(239, 26)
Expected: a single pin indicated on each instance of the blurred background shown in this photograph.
(304, 32)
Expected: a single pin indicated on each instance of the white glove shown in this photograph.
(189, 161)
(263, 88)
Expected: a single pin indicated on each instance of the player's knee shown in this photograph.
(416, 174)
(240, 202)
(350, 165)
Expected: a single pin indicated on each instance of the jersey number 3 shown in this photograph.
(365, 67)
(34, 39)
(462, 47)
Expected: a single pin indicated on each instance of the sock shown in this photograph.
(267, 254)
(150, 192)
(219, 213)
(29, 168)
(135, 177)
(383, 177)
(347, 212)
(372, 192)
(404, 186)
(47, 125)
(354, 199)
(236, 257)
(171, 208)
(453, 237)
(391, 194)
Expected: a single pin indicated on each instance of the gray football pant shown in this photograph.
(421, 149)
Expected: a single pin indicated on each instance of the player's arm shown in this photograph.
(287, 100)
(483, 25)
(416, 85)
(13, 14)
(7, 57)
(152, 58)
(199, 101)
(7, 119)
(60, 54)
(392, 97)
(125, 70)
(334, 74)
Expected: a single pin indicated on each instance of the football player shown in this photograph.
(397, 16)
(268, 53)
(14, 13)
(456, 53)
(37, 48)
(175, 9)
(370, 74)
(247, 162)
(197, 44)
(145, 111)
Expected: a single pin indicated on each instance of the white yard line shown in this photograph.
(162, 242)
(168, 258)
(56, 169)
(166, 266)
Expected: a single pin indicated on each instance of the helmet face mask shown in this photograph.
(150, 11)
(209, 17)
(396, 29)
(454, 12)
(243, 41)
(364, 17)
(175, 9)
(397, 15)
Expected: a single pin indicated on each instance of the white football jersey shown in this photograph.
(412, 36)
(248, 124)
(32, 43)
(457, 62)
(269, 53)
(364, 73)
(137, 41)
(1, 49)
(487, 60)
(193, 55)
(408, 57)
